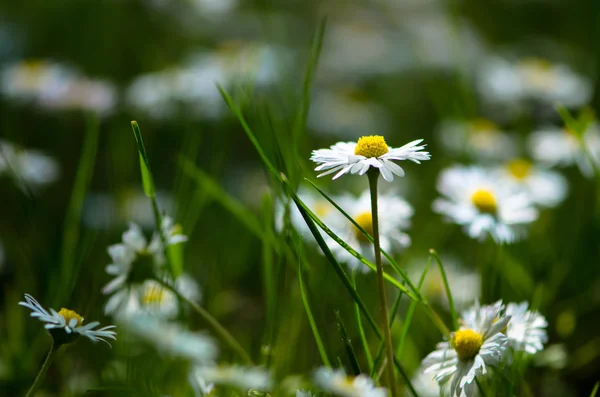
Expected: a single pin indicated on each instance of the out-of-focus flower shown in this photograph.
(554, 356)
(29, 168)
(241, 377)
(345, 113)
(193, 86)
(554, 146)
(394, 219)
(134, 260)
(152, 298)
(480, 139)
(545, 187)
(482, 204)
(171, 339)
(338, 383)
(527, 329)
(53, 85)
(479, 343)
(369, 151)
(66, 325)
(465, 284)
(314, 201)
(504, 81)
(201, 387)
(302, 393)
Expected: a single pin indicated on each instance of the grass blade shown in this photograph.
(361, 329)
(595, 389)
(347, 344)
(147, 181)
(447, 287)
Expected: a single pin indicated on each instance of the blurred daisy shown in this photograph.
(314, 201)
(171, 339)
(479, 343)
(29, 168)
(66, 325)
(152, 298)
(480, 139)
(345, 112)
(395, 214)
(482, 204)
(464, 283)
(545, 187)
(338, 383)
(135, 249)
(241, 377)
(302, 393)
(527, 329)
(369, 151)
(533, 78)
(201, 387)
(554, 146)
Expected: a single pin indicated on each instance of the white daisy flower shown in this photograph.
(480, 139)
(426, 386)
(479, 344)
(338, 383)
(545, 187)
(29, 168)
(504, 81)
(345, 112)
(369, 151)
(527, 329)
(65, 326)
(474, 198)
(314, 201)
(554, 146)
(394, 219)
(201, 387)
(135, 250)
(241, 377)
(302, 393)
(171, 339)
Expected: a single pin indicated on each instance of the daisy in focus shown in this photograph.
(65, 326)
(479, 138)
(369, 151)
(555, 146)
(135, 260)
(395, 214)
(426, 386)
(477, 345)
(474, 198)
(545, 187)
(338, 383)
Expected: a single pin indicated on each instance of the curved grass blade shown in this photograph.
(361, 329)
(347, 344)
(447, 287)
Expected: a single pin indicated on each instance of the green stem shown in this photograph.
(214, 323)
(361, 329)
(42, 374)
(373, 177)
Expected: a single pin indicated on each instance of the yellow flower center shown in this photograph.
(153, 295)
(371, 146)
(322, 208)
(519, 168)
(485, 201)
(68, 315)
(538, 72)
(364, 220)
(467, 343)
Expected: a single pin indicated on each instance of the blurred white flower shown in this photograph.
(314, 201)
(338, 383)
(474, 198)
(302, 393)
(369, 151)
(504, 81)
(480, 139)
(394, 218)
(29, 168)
(241, 377)
(201, 387)
(65, 326)
(171, 339)
(545, 187)
(554, 146)
(527, 329)
(53, 85)
(479, 343)
(345, 113)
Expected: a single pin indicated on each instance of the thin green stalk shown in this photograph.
(447, 287)
(42, 374)
(373, 177)
(480, 388)
(213, 322)
(361, 329)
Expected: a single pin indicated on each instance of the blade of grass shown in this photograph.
(378, 358)
(311, 320)
(71, 231)
(347, 344)
(361, 329)
(595, 389)
(447, 287)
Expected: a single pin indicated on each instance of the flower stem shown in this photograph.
(373, 177)
(214, 323)
(42, 374)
